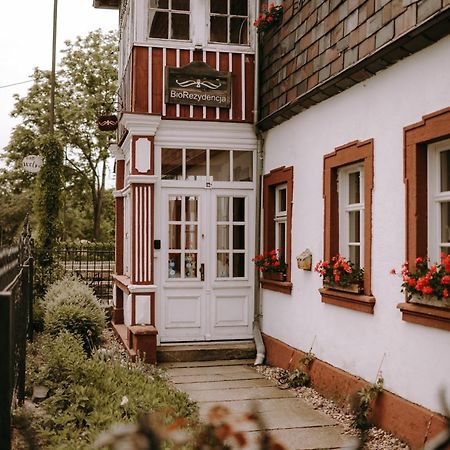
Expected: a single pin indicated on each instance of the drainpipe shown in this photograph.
(260, 349)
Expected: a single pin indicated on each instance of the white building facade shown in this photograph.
(350, 155)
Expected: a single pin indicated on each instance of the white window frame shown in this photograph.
(169, 31)
(199, 29)
(228, 15)
(183, 223)
(207, 178)
(345, 208)
(435, 198)
(231, 251)
(280, 217)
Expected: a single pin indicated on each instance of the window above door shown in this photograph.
(206, 165)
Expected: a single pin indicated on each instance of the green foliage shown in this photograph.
(48, 198)
(70, 290)
(298, 378)
(308, 359)
(81, 321)
(38, 315)
(86, 83)
(87, 395)
(71, 305)
(366, 398)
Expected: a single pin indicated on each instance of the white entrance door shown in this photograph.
(206, 274)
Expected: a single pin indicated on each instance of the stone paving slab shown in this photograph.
(219, 370)
(225, 384)
(230, 362)
(275, 413)
(241, 390)
(214, 377)
(323, 438)
(248, 393)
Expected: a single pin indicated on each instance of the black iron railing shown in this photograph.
(16, 310)
(92, 262)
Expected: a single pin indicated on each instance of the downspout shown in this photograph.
(260, 348)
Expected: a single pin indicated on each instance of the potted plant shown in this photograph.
(271, 265)
(269, 16)
(427, 284)
(341, 274)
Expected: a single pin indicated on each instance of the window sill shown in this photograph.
(285, 287)
(428, 316)
(357, 302)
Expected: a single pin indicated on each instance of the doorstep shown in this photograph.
(211, 351)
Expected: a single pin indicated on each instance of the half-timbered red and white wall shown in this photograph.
(147, 124)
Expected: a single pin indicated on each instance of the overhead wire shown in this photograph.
(15, 84)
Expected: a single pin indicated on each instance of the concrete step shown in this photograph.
(229, 350)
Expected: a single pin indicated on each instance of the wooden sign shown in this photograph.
(107, 123)
(198, 84)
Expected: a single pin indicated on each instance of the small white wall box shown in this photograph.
(304, 260)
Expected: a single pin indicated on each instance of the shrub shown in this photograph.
(69, 289)
(84, 322)
(87, 395)
(71, 305)
(38, 316)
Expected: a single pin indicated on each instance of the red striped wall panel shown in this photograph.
(142, 235)
(156, 59)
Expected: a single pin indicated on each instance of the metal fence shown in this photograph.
(16, 310)
(92, 262)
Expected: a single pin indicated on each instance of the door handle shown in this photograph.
(202, 272)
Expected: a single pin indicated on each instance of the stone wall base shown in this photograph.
(412, 423)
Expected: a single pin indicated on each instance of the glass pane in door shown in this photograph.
(223, 212)
(183, 236)
(238, 265)
(231, 231)
(223, 265)
(190, 265)
(174, 265)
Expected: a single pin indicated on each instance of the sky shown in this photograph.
(26, 43)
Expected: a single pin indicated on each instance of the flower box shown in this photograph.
(355, 288)
(275, 276)
(430, 300)
(270, 16)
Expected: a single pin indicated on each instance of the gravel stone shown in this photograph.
(376, 439)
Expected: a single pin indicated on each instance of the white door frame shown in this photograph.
(196, 310)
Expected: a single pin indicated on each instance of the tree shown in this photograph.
(86, 85)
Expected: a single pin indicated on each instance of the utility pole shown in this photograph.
(53, 75)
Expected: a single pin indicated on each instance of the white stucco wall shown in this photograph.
(417, 358)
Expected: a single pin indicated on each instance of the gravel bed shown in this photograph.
(377, 439)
